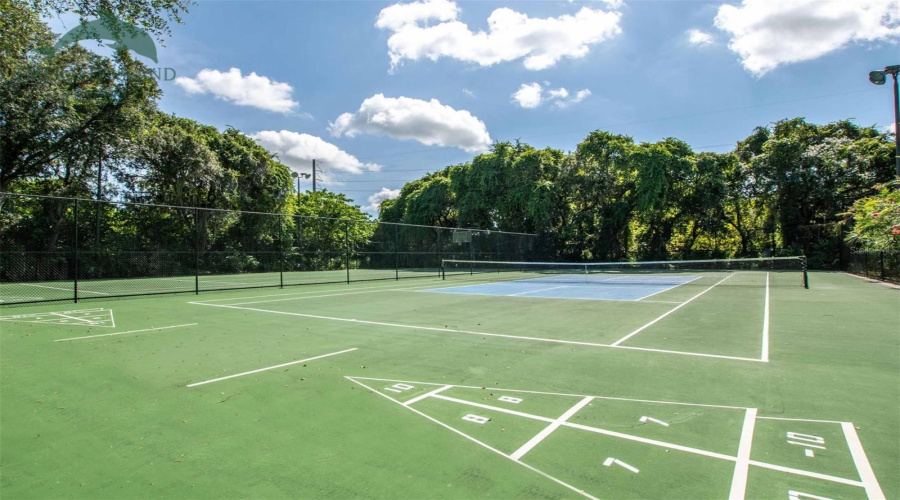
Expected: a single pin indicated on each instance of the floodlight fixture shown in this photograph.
(879, 78)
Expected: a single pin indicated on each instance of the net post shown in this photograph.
(443, 270)
(805, 273)
(440, 246)
(75, 274)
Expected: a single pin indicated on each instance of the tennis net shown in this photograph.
(774, 271)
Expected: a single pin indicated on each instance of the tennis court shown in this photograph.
(486, 380)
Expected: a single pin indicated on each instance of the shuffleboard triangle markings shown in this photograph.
(98, 317)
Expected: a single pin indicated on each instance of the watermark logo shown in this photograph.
(122, 35)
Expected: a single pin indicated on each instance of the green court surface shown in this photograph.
(384, 390)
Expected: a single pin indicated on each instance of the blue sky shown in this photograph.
(384, 92)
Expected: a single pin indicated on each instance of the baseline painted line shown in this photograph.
(269, 368)
(800, 420)
(63, 289)
(666, 289)
(765, 332)
(870, 482)
(427, 395)
(538, 290)
(484, 445)
(468, 332)
(290, 296)
(123, 333)
(684, 353)
(799, 472)
(561, 394)
(742, 464)
(648, 325)
(525, 448)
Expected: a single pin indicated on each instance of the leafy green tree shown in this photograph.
(153, 16)
(876, 220)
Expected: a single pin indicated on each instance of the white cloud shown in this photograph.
(511, 35)
(531, 95)
(888, 129)
(376, 199)
(697, 37)
(251, 90)
(399, 15)
(578, 97)
(297, 151)
(468, 92)
(428, 122)
(767, 34)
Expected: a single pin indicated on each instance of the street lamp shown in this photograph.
(878, 78)
(297, 176)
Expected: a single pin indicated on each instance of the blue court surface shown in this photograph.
(626, 288)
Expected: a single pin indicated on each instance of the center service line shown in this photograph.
(269, 368)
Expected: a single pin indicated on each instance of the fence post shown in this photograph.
(881, 262)
(75, 277)
(396, 252)
(281, 252)
(196, 251)
(347, 248)
(440, 250)
(866, 261)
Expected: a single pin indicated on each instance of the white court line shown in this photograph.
(123, 333)
(870, 482)
(269, 368)
(538, 290)
(742, 464)
(666, 289)
(807, 473)
(468, 332)
(765, 332)
(484, 445)
(559, 394)
(595, 430)
(63, 289)
(427, 394)
(648, 325)
(308, 292)
(525, 448)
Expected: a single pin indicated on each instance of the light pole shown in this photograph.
(297, 176)
(878, 78)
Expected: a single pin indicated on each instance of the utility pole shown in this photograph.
(878, 78)
(314, 175)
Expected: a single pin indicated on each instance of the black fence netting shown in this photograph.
(63, 249)
(884, 266)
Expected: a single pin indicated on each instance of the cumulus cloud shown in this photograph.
(697, 37)
(468, 92)
(529, 95)
(297, 151)
(251, 90)
(430, 30)
(532, 95)
(428, 122)
(767, 34)
(376, 199)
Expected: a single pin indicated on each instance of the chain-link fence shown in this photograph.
(884, 266)
(64, 249)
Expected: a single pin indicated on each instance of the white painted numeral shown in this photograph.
(399, 387)
(478, 419)
(806, 437)
(509, 399)
(799, 495)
